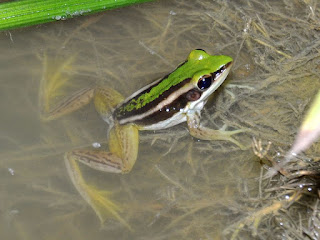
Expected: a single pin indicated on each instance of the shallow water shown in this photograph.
(180, 188)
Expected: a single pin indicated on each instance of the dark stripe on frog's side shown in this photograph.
(122, 110)
(122, 115)
(167, 111)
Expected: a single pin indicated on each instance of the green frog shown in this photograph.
(178, 97)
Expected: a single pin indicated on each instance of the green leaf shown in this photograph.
(25, 13)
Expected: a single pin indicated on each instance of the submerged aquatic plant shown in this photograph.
(298, 181)
(287, 203)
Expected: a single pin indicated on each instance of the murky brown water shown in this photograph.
(180, 188)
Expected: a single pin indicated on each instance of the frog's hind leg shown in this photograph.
(70, 104)
(123, 139)
(105, 99)
(123, 151)
(123, 147)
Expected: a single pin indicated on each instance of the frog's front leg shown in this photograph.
(204, 133)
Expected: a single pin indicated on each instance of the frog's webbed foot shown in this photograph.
(99, 200)
(204, 133)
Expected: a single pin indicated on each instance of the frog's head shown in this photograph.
(209, 73)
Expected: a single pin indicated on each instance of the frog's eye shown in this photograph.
(205, 82)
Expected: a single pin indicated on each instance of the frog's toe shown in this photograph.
(242, 147)
(226, 136)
